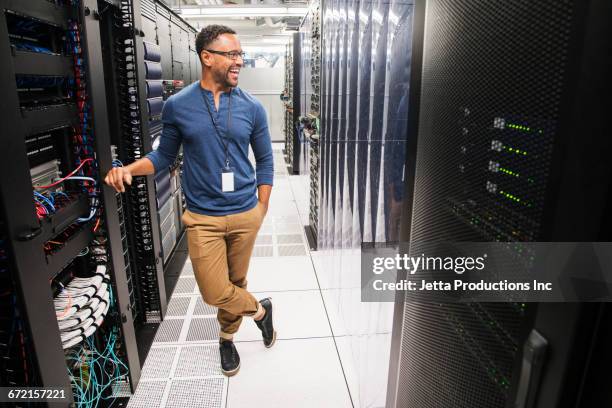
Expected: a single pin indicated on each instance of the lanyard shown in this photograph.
(224, 140)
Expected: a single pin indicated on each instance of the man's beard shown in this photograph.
(222, 78)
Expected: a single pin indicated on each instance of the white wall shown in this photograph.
(266, 84)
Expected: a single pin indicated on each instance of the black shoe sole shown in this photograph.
(273, 340)
(231, 373)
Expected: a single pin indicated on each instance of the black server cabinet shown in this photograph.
(521, 86)
(125, 76)
(310, 110)
(294, 160)
(155, 256)
(53, 90)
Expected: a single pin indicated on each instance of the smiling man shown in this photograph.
(216, 121)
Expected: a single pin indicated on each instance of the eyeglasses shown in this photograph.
(229, 54)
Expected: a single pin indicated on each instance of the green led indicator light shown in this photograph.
(519, 127)
(515, 150)
(510, 172)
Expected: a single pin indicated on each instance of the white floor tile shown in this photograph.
(293, 373)
(371, 360)
(331, 297)
(345, 351)
(279, 274)
(297, 314)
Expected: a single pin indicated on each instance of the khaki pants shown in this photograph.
(220, 248)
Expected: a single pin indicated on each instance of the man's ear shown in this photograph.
(205, 59)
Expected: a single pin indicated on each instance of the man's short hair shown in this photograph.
(210, 34)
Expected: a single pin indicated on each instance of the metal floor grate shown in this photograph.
(291, 250)
(199, 393)
(148, 394)
(203, 329)
(263, 250)
(178, 306)
(159, 362)
(198, 361)
(265, 239)
(185, 285)
(202, 308)
(169, 331)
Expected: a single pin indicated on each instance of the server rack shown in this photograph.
(310, 107)
(287, 98)
(295, 113)
(52, 93)
(546, 122)
(148, 60)
(180, 65)
(77, 104)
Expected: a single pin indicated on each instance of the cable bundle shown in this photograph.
(81, 307)
(93, 372)
(82, 140)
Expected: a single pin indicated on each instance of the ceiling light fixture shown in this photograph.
(240, 11)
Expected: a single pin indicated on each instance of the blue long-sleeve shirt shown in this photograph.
(187, 121)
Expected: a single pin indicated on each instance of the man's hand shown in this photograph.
(265, 207)
(263, 196)
(117, 177)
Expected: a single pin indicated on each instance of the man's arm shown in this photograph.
(264, 162)
(163, 157)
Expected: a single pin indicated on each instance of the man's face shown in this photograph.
(224, 70)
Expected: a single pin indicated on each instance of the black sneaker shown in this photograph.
(265, 324)
(230, 360)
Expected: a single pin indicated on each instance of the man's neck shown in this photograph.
(216, 88)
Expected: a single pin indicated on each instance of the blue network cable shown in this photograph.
(46, 200)
(89, 390)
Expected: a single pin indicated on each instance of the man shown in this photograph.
(216, 121)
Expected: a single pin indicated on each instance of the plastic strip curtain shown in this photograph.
(366, 55)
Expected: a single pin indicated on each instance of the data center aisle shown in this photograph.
(302, 369)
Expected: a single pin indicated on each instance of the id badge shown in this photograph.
(227, 181)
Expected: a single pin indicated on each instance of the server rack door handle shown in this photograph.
(534, 352)
(30, 234)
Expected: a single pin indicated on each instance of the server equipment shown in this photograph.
(130, 111)
(292, 104)
(512, 146)
(287, 99)
(149, 58)
(310, 88)
(64, 291)
(81, 269)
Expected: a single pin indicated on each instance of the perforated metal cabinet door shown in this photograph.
(491, 85)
